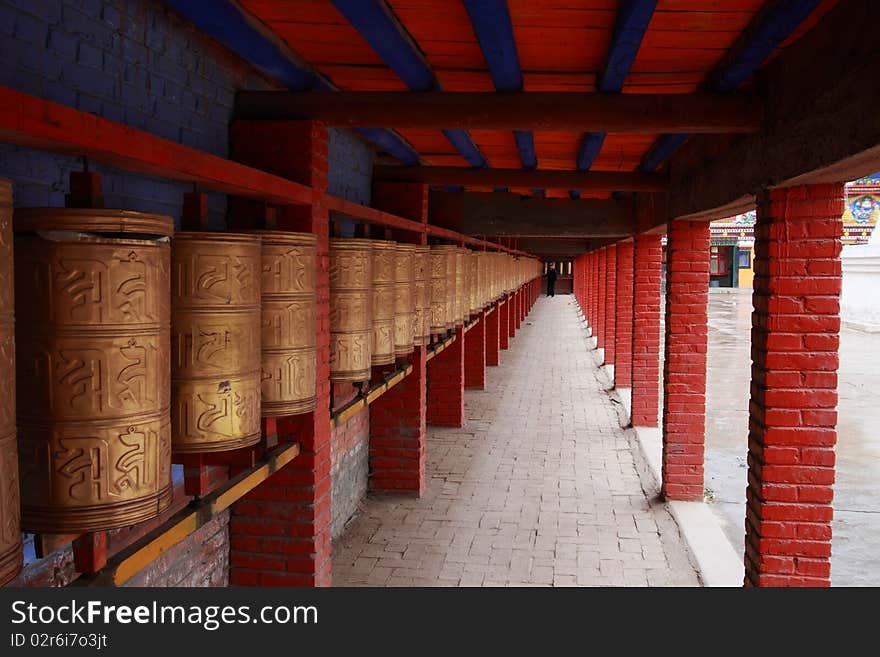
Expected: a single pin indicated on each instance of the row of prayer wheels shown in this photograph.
(125, 341)
(131, 342)
(387, 298)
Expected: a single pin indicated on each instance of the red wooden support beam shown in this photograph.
(90, 552)
(561, 111)
(600, 181)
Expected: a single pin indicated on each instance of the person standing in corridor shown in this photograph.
(551, 280)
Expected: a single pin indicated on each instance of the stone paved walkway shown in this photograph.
(538, 489)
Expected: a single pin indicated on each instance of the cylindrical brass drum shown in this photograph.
(215, 341)
(403, 299)
(474, 288)
(383, 302)
(462, 307)
(422, 295)
(10, 530)
(351, 309)
(439, 288)
(288, 320)
(92, 341)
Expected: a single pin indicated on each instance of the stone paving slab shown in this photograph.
(539, 488)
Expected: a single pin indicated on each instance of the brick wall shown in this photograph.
(349, 468)
(623, 328)
(647, 264)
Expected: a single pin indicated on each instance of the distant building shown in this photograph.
(733, 238)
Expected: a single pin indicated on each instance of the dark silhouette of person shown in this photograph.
(551, 280)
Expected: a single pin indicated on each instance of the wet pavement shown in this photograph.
(856, 528)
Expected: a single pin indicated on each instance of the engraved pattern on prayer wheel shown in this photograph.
(215, 341)
(10, 530)
(404, 284)
(483, 275)
(351, 309)
(450, 253)
(383, 302)
(288, 319)
(422, 295)
(474, 282)
(439, 288)
(462, 307)
(92, 344)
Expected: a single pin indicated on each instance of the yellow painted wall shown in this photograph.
(747, 275)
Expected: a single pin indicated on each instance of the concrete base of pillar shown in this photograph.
(714, 557)
(626, 397)
(600, 353)
(609, 370)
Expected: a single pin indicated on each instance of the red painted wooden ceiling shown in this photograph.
(562, 45)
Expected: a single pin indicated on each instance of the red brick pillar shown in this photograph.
(647, 263)
(475, 355)
(684, 368)
(446, 385)
(602, 257)
(623, 334)
(610, 303)
(511, 316)
(280, 531)
(520, 306)
(493, 341)
(397, 418)
(793, 417)
(504, 324)
(397, 433)
(594, 286)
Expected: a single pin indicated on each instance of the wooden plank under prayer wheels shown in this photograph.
(10, 529)
(383, 253)
(404, 283)
(422, 295)
(215, 341)
(351, 309)
(92, 352)
(288, 320)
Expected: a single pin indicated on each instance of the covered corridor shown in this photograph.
(539, 487)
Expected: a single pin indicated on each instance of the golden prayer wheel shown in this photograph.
(462, 306)
(449, 252)
(474, 291)
(383, 302)
(92, 344)
(10, 530)
(483, 274)
(422, 295)
(404, 284)
(439, 287)
(288, 319)
(215, 341)
(351, 309)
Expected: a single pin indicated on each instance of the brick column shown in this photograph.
(446, 386)
(280, 531)
(623, 319)
(594, 287)
(475, 355)
(397, 433)
(610, 303)
(647, 263)
(493, 341)
(397, 418)
(684, 367)
(600, 307)
(511, 316)
(504, 325)
(793, 417)
(520, 304)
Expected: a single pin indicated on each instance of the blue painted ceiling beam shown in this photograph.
(770, 27)
(225, 22)
(630, 25)
(494, 31)
(375, 22)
